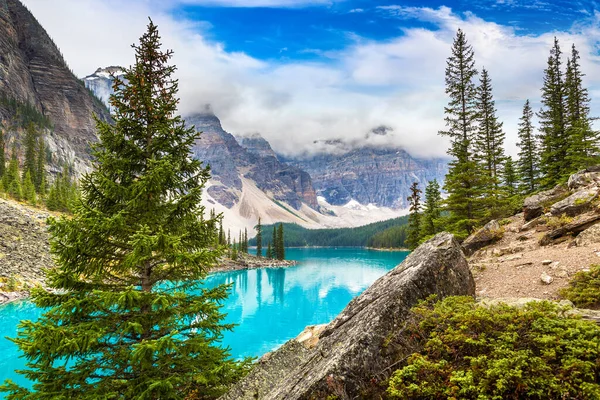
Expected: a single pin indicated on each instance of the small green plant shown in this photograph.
(499, 352)
(505, 221)
(559, 222)
(584, 289)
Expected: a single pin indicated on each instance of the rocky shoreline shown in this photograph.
(247, 261)
(9, 297)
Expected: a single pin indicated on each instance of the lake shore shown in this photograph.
(386, 249)
(247, 261)
(9, 297)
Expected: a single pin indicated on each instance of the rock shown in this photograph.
(561, 273)
(367, 174)
(589, 236)
(33, 71)
(546, 279)
(354, 351)
(533, 223)
(513, 257)
(489, 234)
(576, 203)
(579, 225)
(546, 262)
(533, 206)
(584, 178)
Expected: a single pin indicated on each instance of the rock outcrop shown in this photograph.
(576, 203)
(490, 233)
(357, 349)
(533, 206)
(229, 162)
(34, 73)
(24, 249)
(369, 175)
(578, 225)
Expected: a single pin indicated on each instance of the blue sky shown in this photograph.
(310, 31)
(300, 71)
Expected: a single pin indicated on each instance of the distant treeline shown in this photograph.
(390, 233)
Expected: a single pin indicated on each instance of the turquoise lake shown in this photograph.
(269, 305)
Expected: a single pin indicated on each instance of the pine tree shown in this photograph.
(128, 311)
(274, 252)
(28, 189)
(554, 141)
(464, 179)
(12, 177)
(222, 240)
(488, 142)
(258, 239)
(269, 254)
(432, 210)
(31, 147)
(2, 155)
(510, 178)
(280, 243)
(40, 168)
(583, 141)
(528, 163)
(246, 240)
(414, 218)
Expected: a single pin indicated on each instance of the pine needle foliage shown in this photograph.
(552, 119)
(414, 217)
(498, 352)
(584, 288)
(464, 181)
(528, 162)
(129, 317)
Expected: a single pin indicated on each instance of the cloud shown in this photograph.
(397, 82)
(258, 3)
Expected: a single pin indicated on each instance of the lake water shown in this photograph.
(270, 305)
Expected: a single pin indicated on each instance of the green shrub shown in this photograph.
(584, 289)
(500, 352)
(559, 222)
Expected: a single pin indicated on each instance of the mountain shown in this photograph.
(100, 82)
(36, 81)
(367, 175)
(231, 163)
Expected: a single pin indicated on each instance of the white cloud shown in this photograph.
(397, 83)
(259, 3)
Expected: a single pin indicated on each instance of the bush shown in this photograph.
(500, 352)
(559, 222)
(584, 289)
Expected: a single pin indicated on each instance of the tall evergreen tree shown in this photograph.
(432, 210)
(222, 240)
(259, 239)
(12, 178)
(40, 167)
(510, 178)
(488, 142)
(2, 155)
(464, 179)
(582, 139)
(414, 218)
(274, 252)
(31, 147)
(128, 317)
(269, 253)
(246, 240)
(528, 163)
(280, 243)
(28, 189)
(554, 140)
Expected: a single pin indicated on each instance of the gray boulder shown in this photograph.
(587, 177)
(489, 234)
(580, 224)
(576, 203)
(354, 353)
(590, 236)
(533, 206)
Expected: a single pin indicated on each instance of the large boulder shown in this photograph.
(533, 206)
(576, 203)
(489, 234)
(590, 236)
(355, 351)
(585, 178)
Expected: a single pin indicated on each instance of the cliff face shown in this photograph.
(369, 175)
(33, 71)
(230, 161)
